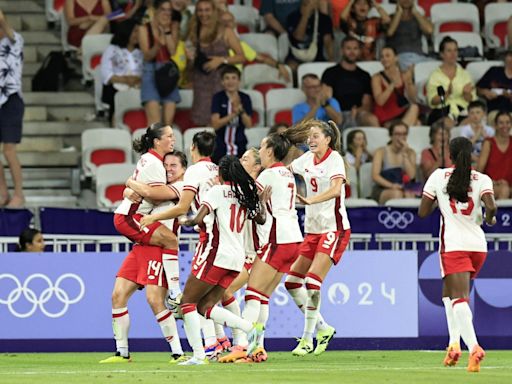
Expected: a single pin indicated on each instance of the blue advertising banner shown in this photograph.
(61, 296)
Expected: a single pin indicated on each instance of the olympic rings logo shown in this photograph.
(395, 219)
(39, 301)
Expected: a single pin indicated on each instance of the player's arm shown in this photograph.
(154, 193)
(179, 209)
(198, 219)
(427, 205)
(490, 208)
(333, 192)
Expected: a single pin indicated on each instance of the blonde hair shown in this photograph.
(194, 27)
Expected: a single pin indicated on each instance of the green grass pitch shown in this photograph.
(356, 367)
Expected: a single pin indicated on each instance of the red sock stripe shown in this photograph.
(296, 274)
(264, 302)
(255, 291)
(116, 315)
(170, 251)
(313, 287)
(228, 301)
(313, 276)
(187, 308)
(459, 301)
(289, 286)
(166, 316)
(252, 297)
(208, 313)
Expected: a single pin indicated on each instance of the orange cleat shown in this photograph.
(476, 356)
(237, 352)
(259, 355)
(453, 354)
(225, 343)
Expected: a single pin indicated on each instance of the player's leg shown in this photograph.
(230, 303)
(167, 240)
(453, 352)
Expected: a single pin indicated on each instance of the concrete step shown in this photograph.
(37, 178)
(51, 201)
(21, 6)
(48, 159)
(40, 37)
(30, 54)
(15, 22)
(35, 113)
(58, 128)
(30, 69)
(41, 144)
(58, 98)
(34, 22)
(70, 113)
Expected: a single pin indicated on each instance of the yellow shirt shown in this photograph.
(249, 53)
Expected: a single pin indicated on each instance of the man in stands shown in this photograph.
(496, 86)
(276, 12)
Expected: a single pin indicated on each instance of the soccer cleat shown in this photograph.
(213, 351)
(305, 347)
(237, 352)
(176, 359)
(259, 355)
(117, 358)
(225, 344)
(453, 354)
(322, 340)
(476, 356)
(195, 361)
(254, 337)
(244, 360)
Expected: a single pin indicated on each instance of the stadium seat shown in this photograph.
(464, 39)
(255, 135)
(53, 10)
(455, 17)
(355, 188)
(375, 136)
(365, 180)
(495, 29)
(263, 78)
(110, 184)
(262, 43)
(258, 107)
(419, 139)
(372, 67)
(283, 44)
(129, 113)
(422, 73)
(247, 17)
(182, 119)
(315, 68)
(137, 134)
(279, 104)
(93, 47)
(403, 203)
(104, 146)
(188, 135)
(427, 5)
(478, 68)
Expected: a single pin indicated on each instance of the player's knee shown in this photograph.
(119, 298)
(156, 303)
(202, 307)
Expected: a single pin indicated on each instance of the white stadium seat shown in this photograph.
(258, 107)
(418, 139)
(376, 137)
(280, 102)
(372, 67)
(255, 135)
(260, 74)
(455, 17)
(478, 68)
(422, 73)
(110, 183)
(262, 43)
(92, 46)
(125, 102)
(247, 18)
(315, 68)
(366, 180)
(495, 29)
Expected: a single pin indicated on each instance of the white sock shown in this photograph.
(219, 331)
(121, 326)
(313, 286)
(465, 322)
(252, 306)
(193, 329)
(208, 328)
(172, 270)
(453, 328)
(168, 325)
(263, 319)
(222, 316)
(232, 306)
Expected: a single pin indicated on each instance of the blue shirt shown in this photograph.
(301, 110)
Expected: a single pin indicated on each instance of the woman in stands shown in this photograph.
(85, 17)
(497, 151)
(327, 229)
(460, 193)
(30, 240)
(357, 149)
(143, 268)
(431, 158)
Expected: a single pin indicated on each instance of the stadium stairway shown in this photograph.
(50, 148)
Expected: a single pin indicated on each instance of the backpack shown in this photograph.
(53, 72)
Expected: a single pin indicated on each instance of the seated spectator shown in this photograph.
(394, 167)
(357, 153)
(477, 129)
(231, 115)
(496, 156)
(394, 92)
(351, 87)
(317, 105)
(405, 31)
(30, 240)
(121, 63)
(275, 14)
(495, 86)
(456, 82)
(310, 34)
(85, 17)
(356, 23)
(432, 158)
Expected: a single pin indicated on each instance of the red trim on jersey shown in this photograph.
(209, 159)
(428, 195)
(260, 186)
(190, 188)
(278, 164)
(339, 176)
(164, 317)
(153, 184)
(116, 315)
(442, 234)
(154, 153)
(174, 189)
(337, 214)
(486, 191)
(460, 301)
(325, 156)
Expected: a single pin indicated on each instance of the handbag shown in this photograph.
(308, 54)
(166, 78)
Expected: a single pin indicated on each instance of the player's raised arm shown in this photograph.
(180, 209)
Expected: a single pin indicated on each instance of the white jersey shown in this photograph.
(150, 171)
(331, 215)
(282, 224)
(460, 222)
(198, 180)
(251, 240)
(225, 232)
(172, 224)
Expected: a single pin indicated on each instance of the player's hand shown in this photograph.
(131, 195)
(492, 222)
(303, 200)
(146, 221)
(213, 181)
(265, 194)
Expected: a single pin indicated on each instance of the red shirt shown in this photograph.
(495, 167)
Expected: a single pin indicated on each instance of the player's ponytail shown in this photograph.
(458, 184)
(146, 141)
(282, 142)
(242, 184)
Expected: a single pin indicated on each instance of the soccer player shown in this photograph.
(459, 192)
(327, 229)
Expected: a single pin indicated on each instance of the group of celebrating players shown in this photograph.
(249, 234)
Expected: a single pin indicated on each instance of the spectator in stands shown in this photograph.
(394, 166)
(334, 8)
(275, 14)
(351, 86)
(496, 156)
(357, 152)
(310, 34)
(231, 115)
(85, 17)
(496, 86)
(318, 104)
(431, 158)
(356, 23)
(11, 110)
(405, 32)
(394, 92)
(121, 63)
(30, 240)
(129, 7)
(208, 48)
(157, 45)
(456, 82)
(477, 129)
